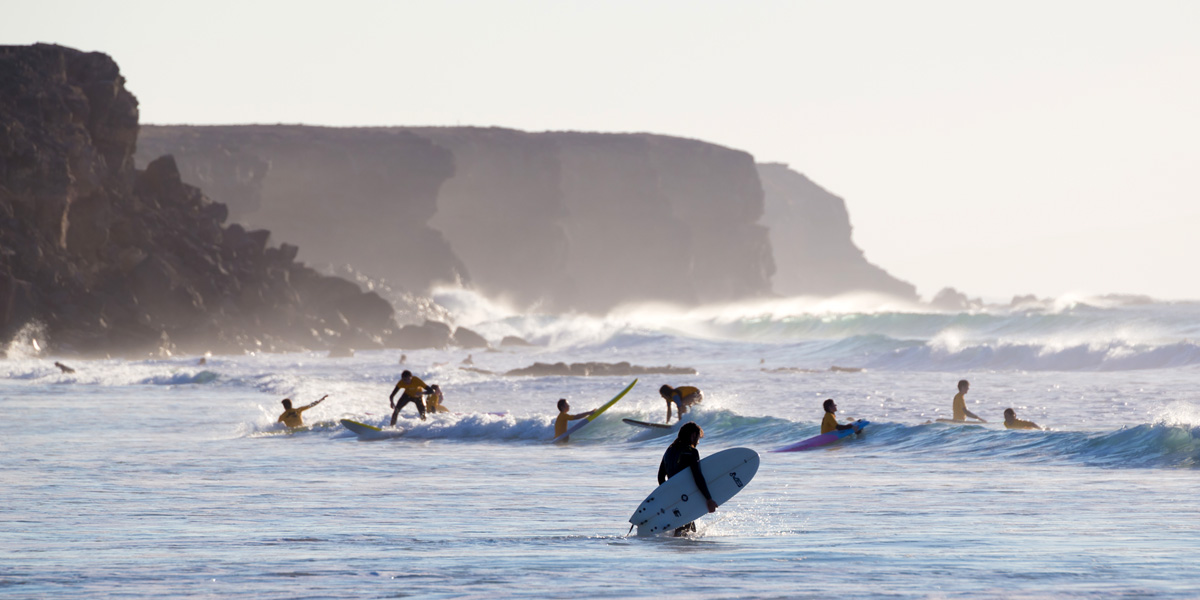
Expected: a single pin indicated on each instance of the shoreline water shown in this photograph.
(168, 478)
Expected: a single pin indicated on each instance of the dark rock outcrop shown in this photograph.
(811, 238)
(112, 260)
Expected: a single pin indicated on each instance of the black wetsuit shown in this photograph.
(680, 456)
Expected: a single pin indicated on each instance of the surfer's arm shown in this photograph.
(700, 483)
(315, 403)
(392, 396)
(662, 469)
(973, 415)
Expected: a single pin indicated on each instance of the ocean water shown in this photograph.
(165, 478)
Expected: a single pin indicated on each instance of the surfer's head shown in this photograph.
(287, 403)
(1010, 414)
(690, 433)
(406, 375)
(563, 405)
(964, 385)
(830, 406)
(665, 391)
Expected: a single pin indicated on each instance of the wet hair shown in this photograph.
(962, 382)
(406, 373)
(1009, 411)
(665, 390)
(287, 403)
(827, 404)
(561, 403)
(686, 432)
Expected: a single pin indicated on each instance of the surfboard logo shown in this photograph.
(677, 513)
(683, 497)
(736, 480)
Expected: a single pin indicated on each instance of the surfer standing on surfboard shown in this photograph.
(682, 454)
(829, 423)
(960, 404)
(413, 388)
(683, 397)
(560, 424)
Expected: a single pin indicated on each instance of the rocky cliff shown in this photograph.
(810, 235)
(115, 260)
(557, 221)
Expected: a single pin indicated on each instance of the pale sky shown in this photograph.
(1002, 148)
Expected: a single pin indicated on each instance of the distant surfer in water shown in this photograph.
(682, 396)
(829, 423)
(960, 404)
(680, 455)
(412, 388)
(291, 416)
(433, 402)
(64, 368)
(1012, 422)
(560, 423)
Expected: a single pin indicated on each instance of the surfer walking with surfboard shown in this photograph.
(682, 454)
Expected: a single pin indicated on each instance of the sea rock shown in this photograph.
(512, 341)
(465, 338)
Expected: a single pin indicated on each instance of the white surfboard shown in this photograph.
(678, 501)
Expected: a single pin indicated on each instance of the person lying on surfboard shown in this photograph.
(291, 416)
(960, 404)
(829, 423)
(413, 388)
(1012, 422)
(680, 455)
(560, 424)
(683, 397)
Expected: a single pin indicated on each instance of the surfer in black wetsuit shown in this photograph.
(680, 455)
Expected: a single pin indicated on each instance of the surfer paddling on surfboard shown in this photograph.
(682, 396)
(829, 423)
(1012, 422)
(960, 404)
(413, 388)
(291, 416)
(560, 423)
(682, 454)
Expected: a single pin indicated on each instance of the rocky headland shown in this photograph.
(108, 259)
(553, 221)
(126, 239)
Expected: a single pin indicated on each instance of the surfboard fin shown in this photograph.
(630, 530)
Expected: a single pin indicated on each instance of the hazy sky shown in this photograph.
(999, 147)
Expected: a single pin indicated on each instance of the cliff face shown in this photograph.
(662, 219)
(810, 234)
(503, 215)
(558, 221)
(357, 196)
(115, 260)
